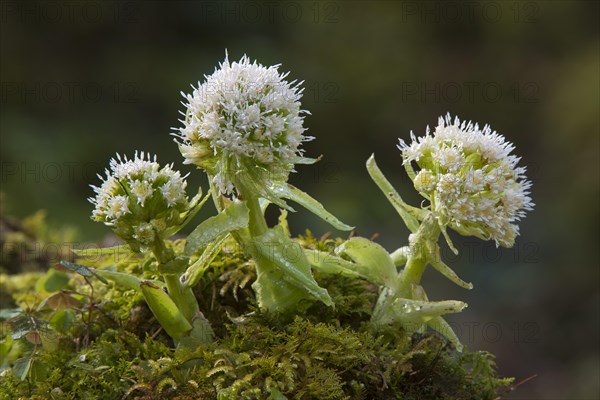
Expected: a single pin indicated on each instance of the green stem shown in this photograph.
(160, 250)
(428, 231)
(273, 294)
(257, 223)
(182, 296)
(411, 275)
(257, 226)
(416, 262)
(400, 256)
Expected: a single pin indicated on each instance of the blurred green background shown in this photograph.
(83, 80)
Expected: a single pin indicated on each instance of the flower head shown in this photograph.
(471, 179)
(243, 126)
(139, 199)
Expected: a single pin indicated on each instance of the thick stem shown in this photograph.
(400, 256)
(183, 297)
(257, 223)
(428, 231)
(411, 274)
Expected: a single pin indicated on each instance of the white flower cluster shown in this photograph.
(137, 197)
(470, 178)
(243, 116)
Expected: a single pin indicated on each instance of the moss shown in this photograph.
(321, 353)
(29, 244)
(305, 360)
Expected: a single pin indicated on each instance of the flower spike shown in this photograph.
(244, 126)
(471, 179)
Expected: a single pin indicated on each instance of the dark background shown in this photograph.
(83, 80)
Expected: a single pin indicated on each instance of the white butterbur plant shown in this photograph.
(244, 127)
(144, 205)
(473, 185)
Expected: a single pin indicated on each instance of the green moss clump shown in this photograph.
(120, 352)
(256, 361)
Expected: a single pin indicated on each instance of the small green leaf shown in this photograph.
(22, 367)
(174, 266)
(52, 281)
(195, 205)
(331, 264)
(410, 215)
(447, 237)
(195, 272)
(8, 313)
(165, 310)
(296, 195)
(62, 320)
(59, 301)
(82, 270)
(38, 370)
(21, 325)
(201, 333)
(371, 260)
(305, 160)
(20, 333)
(233, 217)
(410, 171)
(254, 180)
(283, 222)
(445, 270)
(413, 314)
(122, 249)
(440, 325)
(400, 256)
(123, 279)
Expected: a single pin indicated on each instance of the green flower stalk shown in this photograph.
(145, 204)
(244, 127)
(474, 186)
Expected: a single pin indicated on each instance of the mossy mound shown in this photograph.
(66, 337)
